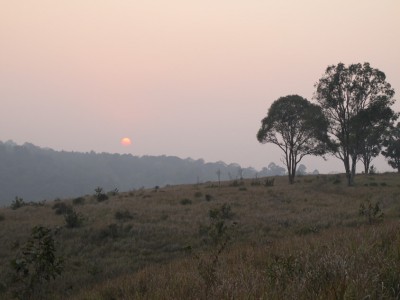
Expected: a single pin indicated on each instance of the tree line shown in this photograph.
(351, 119)
(33, 173)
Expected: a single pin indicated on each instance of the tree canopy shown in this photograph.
(392, 151)
(297, 127)
(356, 101)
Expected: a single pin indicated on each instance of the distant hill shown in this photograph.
(35, 173)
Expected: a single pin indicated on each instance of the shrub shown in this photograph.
(372, 212)
(218, 235)
(186, 201)
(72, 219)
(100, 195)
(237, 183)
(114, 231)
(61, 208)
(208, 197)
(2, 218)
(198, 194)
(372, 170)
(223, 212)
(123, 215)
(78, 201)
(17, 203)
(114, 192)
(269, 182)
(35, 263)
(336, 180)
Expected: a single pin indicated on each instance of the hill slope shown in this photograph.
(238, 240)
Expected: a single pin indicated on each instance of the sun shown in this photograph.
(126, 141)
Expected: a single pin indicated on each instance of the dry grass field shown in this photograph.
(316, 239)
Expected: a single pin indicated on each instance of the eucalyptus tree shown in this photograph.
(297, 127)
(356, 101)
(392, 148)
(373, 133)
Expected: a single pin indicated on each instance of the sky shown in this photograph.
(187, 78)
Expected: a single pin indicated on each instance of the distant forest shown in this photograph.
(36, 174)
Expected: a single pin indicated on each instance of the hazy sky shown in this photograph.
(188, 78)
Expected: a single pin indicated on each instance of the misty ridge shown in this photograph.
(35, 174)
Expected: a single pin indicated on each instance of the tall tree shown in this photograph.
(392, 151)
(297, 127)
(356, 100)
(373, 132)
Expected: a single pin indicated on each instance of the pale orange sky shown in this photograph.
(185, 78)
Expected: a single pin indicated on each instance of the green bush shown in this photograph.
(218, 234)
(186, 201)
(2, 218)
(269, 182)
(61, 208)
(372, 212)
(100, 195)
(35, 263)
(78, 201)
(114, 192)
(223, 212)
(123, 215)
(17, 203)
(198, 194)
(72, 219)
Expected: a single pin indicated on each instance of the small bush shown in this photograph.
(61, 208)
(372, 170)
(208, 197)
(114, 231)
(218, 233)
(186, 201)
(72, 219)
(242, 189)
(100, 195)
(269, 182)
(114, 192)
(372, 212)
(336, 180)
(198, 194)
(17, 203)
(237, 183)
(35, 263)
(223, 212)
(255, 182)
(78, 201)
(123, 215)
(2, 218)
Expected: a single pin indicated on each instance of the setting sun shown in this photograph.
(126, 141)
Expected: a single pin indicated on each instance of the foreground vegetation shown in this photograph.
(316, 239)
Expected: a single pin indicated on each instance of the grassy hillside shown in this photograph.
(241, 240)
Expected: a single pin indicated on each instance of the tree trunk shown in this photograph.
(353, 167)
(346, 161)
(291, 178)
(366, 167)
